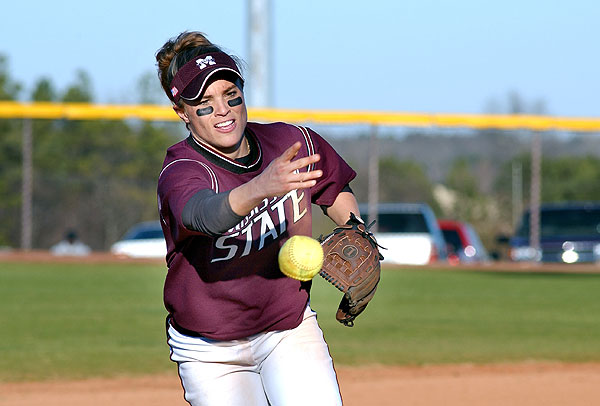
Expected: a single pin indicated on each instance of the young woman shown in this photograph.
(229, 196)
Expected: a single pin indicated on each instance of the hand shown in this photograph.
(284, 173)
(281, 176)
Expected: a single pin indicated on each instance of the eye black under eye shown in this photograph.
(204, 111)
(235, 102)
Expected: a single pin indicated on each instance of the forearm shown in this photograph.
(209, 213)
(213, 214)
(245, 197)
(340, 210)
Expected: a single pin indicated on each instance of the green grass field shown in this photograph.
(82, 320)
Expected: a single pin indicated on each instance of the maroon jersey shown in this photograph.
(229, 286)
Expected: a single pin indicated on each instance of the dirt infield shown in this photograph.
(547, 384)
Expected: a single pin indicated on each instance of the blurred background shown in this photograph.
(97, 178)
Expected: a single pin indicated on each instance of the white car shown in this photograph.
(407, 248)
(409, 232)
(144, 240)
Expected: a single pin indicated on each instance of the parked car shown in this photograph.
(409, 232)
(143, 240)
(463, 243)
(569, 233)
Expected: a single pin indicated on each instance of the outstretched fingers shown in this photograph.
(301, 177)
(304, 162)
(291, 152)
(285, 173)
(307, 179)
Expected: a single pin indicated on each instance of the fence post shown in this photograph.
(373, 176)
(259, 43)
(27, 186)
(517, 193)
(534, 204)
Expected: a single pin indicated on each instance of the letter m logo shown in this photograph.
(204, 62)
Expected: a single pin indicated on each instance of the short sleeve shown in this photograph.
(177, 183)
(336, 172)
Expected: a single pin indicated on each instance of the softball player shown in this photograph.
(229, 196)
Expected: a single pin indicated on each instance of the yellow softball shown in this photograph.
(301, 258)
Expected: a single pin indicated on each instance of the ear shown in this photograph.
(181, 113)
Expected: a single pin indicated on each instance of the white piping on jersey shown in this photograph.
(214, 184)
(220, 156)
(309, 145)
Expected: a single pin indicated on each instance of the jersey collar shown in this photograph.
(245, 164)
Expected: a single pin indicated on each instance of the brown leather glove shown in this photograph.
(351, 264)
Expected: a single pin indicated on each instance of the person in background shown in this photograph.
(70, 246)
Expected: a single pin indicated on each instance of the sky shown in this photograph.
(461, 56)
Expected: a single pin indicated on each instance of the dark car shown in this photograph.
(409, 232)
(569, 233)
(463, 243)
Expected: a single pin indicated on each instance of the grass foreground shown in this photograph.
(79, 320)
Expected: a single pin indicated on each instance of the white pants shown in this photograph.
(291, 367)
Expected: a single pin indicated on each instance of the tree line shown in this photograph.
(99, 177)
(95, 177)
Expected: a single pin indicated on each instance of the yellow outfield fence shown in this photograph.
(83, 111)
